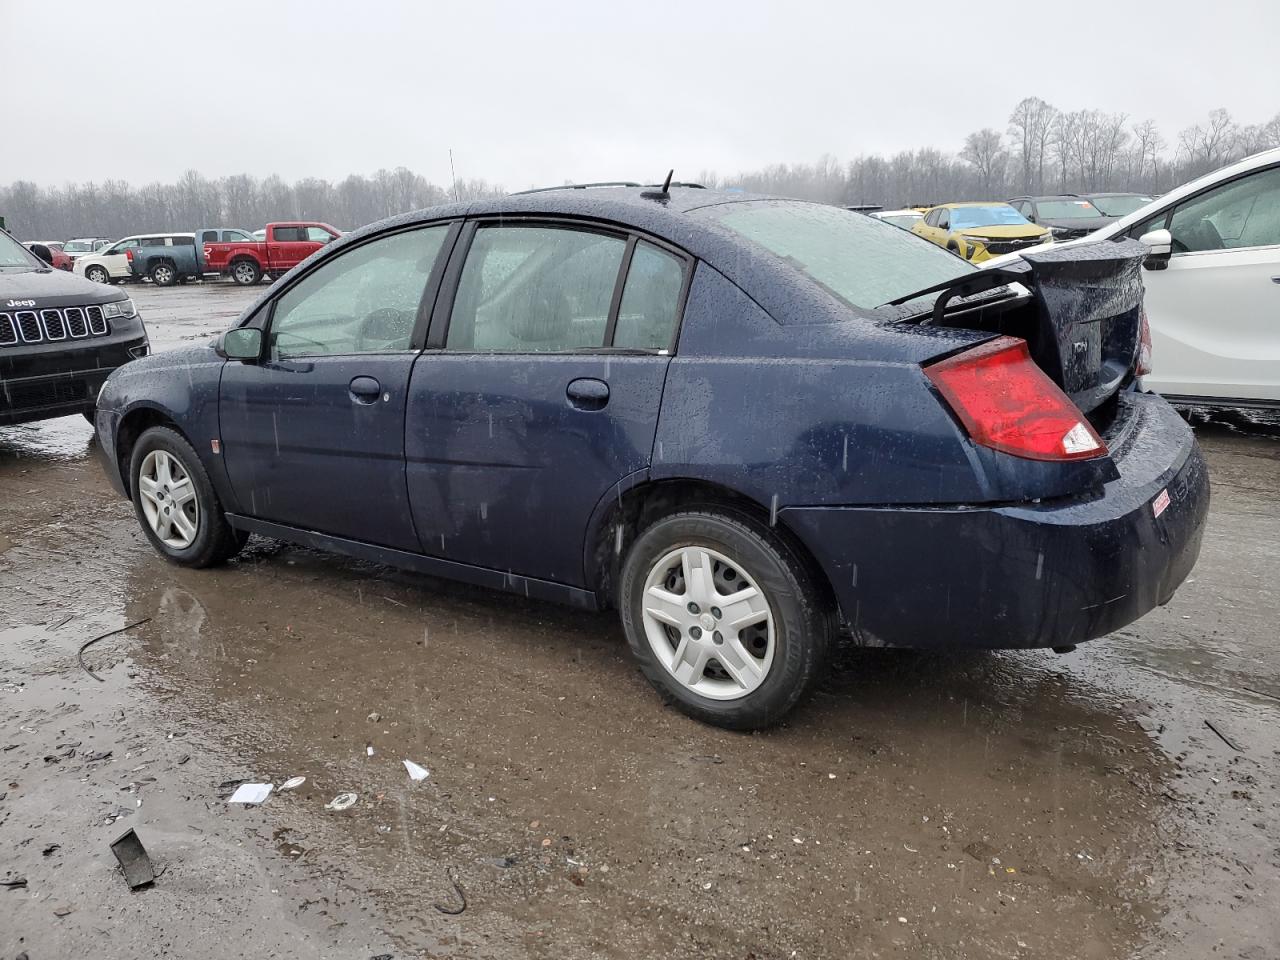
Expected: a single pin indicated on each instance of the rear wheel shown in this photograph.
(724, 618)
(245, 272)
(164, 275)
(97, 274)
(176, 504)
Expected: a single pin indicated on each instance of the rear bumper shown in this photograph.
(1031, 575)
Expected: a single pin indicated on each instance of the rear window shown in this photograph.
(1067, 210)
(863, 261)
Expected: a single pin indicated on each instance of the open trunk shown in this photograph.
(1080, 316)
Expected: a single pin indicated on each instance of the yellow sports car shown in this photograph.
(979, 231)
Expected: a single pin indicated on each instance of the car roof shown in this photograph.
(788, 295)
(148, 236)
(904, 212)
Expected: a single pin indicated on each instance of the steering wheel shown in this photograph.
(386, 325)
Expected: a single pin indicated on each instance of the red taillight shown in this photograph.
(128, 254)
(1008, 403)
(1144, 343)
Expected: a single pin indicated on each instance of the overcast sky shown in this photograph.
(541, 92)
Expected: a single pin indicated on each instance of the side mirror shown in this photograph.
(1159, 248)
(240, 343)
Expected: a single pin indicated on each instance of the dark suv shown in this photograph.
(60, 337)
(1067, 217)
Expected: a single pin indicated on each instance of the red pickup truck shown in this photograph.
(287, 245)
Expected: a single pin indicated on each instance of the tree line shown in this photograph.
(1042, 150)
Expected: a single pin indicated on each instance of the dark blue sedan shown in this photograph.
(752, 425)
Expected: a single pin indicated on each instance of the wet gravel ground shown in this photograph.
(985, 805)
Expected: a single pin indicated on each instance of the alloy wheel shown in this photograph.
(169, 500)
(708, 623)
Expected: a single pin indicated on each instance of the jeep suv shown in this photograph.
(60, 336)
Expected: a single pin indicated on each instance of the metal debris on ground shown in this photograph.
(1223, 737)
(251, 793)
(461, 897)
(88, 643)
(342, 801)
(133, 860)
(293, 783)
(416, 772)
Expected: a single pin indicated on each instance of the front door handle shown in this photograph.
(588, 393)
(365, 390)
(1275, 279)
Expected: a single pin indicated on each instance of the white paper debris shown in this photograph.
(293, 783)
(341, 801)
(251, 793)
(416, 772)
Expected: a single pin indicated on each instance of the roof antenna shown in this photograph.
(664, 193)
(454, 174)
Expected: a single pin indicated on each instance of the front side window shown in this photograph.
(236, 236)
(650, 300)
(863, 261)
(530, 289)
(318, 235)
(365, 300)
(13, 254)
(1243, 213)
(944, 219)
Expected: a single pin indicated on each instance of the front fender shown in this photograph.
(179, 387)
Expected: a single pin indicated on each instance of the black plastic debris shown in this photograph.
(133, 860)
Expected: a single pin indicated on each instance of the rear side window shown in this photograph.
(289, 234)
(529, 289)
(365, 300)
(861, 260)
(209, 236)
(152, 241)
(650, 299)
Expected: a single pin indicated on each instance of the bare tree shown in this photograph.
(1205, 147)
(984, 150)
(1031, 127)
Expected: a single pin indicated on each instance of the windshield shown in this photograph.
(1120, 206)
(78, 246)
(863, 261)
(1066, 210)
(995, 215)
(14, 254)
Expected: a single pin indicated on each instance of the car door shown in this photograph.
(542, 393)
(288, 249)
(116, 258)
(313, 433)
(1214, 310)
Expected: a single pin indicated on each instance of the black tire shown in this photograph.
(98, 274)
(803, 617)
(163, 274)
(90, 415)
(215, 540)
(245, 272)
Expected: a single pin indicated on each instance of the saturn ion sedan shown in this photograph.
(752, 426)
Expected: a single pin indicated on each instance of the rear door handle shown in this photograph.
(365, 390)
(588, 393)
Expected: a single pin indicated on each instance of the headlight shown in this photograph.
(119, 308)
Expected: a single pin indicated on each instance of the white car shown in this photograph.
(82, 246)
(1212, 284)
(906, 219)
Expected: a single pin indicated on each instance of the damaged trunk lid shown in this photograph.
(1081, 313)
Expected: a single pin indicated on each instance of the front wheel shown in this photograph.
(176, 504)
(97, 274)
(724, 617)
(245, 272)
